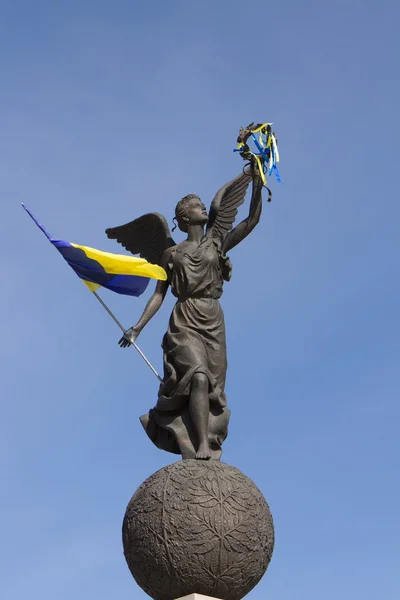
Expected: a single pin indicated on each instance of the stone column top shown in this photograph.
(197, 597)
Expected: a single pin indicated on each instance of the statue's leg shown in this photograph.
(199, 408)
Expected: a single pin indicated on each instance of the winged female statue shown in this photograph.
(191, 415)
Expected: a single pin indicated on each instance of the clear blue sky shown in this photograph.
(111, 109)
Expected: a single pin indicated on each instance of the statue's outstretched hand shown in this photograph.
(245, 133)
(129, 337)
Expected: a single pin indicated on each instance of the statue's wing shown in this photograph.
(225, 205)
(148, 236)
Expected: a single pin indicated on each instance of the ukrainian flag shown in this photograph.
(119, 273)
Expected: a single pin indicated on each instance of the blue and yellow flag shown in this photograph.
(116, 272)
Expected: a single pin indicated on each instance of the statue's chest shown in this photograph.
(204, 257)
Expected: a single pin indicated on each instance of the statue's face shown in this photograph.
(196, 212)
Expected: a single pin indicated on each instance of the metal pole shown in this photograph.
(104, 305)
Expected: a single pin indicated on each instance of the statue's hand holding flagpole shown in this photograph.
(130, 336)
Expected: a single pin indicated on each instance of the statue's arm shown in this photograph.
(152, 306)
(150, 309)
(243, 229)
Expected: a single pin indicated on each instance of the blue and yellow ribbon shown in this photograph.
(267, 156)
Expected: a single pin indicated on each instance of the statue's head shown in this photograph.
(190, 211)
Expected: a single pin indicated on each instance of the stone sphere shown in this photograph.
(198, 527)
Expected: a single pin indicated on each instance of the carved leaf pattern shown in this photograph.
(198, 527)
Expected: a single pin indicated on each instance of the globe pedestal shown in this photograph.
(198, 527)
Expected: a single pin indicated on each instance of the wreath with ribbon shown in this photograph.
(266, 146)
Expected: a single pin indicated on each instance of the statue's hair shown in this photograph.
(181, 211)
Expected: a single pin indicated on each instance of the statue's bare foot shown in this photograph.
(203, 453)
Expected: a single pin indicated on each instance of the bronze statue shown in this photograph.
(191, 415)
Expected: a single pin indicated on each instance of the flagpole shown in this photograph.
(104, 305)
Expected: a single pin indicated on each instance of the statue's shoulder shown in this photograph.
(169, 251)
(167, 255)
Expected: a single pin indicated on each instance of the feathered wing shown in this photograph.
(224, 207)
(149, 236)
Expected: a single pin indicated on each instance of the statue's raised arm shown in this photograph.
(225, 205)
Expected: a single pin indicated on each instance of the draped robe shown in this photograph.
(194, 343)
